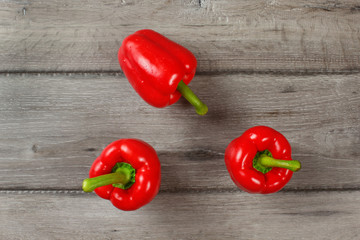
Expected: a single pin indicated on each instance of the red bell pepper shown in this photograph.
(253, 160)
(159, 69)
(127, 173)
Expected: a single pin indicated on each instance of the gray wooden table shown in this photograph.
(290, 65)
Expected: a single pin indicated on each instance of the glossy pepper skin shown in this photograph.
(143, 158)
(155, 65)
(240, 154)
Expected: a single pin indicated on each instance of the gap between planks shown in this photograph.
(182, 191)
(201, 73)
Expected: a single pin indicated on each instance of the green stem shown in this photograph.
(123, 176)
(268, 161)
(200, 107)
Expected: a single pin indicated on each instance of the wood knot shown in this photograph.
(35, 148)
(91, 149)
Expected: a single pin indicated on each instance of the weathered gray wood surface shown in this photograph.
(63, 99)
(225, 215)
(275, 35)
(59, 123)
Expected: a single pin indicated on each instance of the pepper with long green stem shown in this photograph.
(259, 161)
(127, 173)
(159, 69)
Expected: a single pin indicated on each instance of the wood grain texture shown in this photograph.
(65, 99)
(300, 215)
(254, 36)
(53, 126)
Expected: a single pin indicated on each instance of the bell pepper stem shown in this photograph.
(268, 161)
(122, 176)
(90, 184)
(187, 93)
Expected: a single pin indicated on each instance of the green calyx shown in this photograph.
(128, 171)
(256, 161)
(122, 176)
(264, 162)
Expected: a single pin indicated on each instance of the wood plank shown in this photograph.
(254, 36)
(52, 127)
(295, 215)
